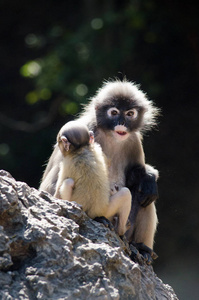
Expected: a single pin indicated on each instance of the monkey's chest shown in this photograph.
(117, 163)
(117, 173)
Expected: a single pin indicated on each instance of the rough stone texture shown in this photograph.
(50, 249)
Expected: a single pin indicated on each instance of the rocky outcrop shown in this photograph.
(50, 249)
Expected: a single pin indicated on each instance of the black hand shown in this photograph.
(148, 190)
(142, 184)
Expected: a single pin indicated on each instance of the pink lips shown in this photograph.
(121, 132)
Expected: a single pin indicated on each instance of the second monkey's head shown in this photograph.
(122, 107)
(73, 136)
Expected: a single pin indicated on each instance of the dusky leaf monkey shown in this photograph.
(83, 177)
(119, 114)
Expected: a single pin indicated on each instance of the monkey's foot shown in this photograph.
(105, 222)
(147, 253)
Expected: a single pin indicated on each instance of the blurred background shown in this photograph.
(54, 55)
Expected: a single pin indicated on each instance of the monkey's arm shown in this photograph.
(141, 180)
(65, 190)
(120, 205)
(53, 160)
(49, 179)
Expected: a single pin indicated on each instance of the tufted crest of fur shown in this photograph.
(121, 89)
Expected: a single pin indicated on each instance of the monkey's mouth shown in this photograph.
(121, 132)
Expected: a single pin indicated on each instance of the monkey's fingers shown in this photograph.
(148, 190)
(105, 222)
(145, 200)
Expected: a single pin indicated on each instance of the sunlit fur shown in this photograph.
(84, 165)
(121, 153)
(77, 135)
(128, 151)
(126, 89)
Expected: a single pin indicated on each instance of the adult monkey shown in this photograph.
(119, 114)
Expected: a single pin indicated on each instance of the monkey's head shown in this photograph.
(122, 107)
(73, 136)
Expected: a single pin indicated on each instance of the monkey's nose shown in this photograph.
(122, 122)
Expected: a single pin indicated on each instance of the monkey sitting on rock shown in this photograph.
(83, 177)
(118, 115)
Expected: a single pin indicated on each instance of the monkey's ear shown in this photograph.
(65, 142)
(91, 133)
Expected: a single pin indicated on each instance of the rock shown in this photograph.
(50, 249)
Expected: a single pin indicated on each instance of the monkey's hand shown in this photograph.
(142, 183)
(148, 190)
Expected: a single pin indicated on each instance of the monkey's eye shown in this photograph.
(132, 113)
(113, 111)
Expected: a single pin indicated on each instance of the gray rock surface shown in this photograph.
(50, 249)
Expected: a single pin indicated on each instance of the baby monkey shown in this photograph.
(83, 177)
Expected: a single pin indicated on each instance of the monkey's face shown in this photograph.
(120, 116)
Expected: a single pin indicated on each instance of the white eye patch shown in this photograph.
(113, 111)
(132, 113)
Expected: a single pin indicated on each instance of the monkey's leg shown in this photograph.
(145, 227)
(57, 193)
(120, 204)
(143, 236)
(65, 190)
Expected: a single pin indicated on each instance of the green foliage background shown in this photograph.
(54, 55)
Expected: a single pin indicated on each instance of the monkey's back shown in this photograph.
(88, 169)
